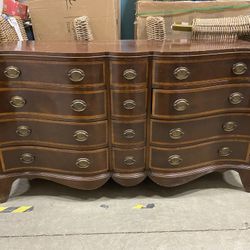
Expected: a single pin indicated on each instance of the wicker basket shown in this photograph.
(8, 33)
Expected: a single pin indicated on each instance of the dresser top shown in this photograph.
(122, 47)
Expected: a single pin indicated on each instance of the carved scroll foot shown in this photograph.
(5, 188)
(245, 178)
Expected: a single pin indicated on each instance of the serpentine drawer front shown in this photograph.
(79, 114)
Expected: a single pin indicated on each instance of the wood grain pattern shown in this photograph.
(198, 155)
(48, 92)
(193, 129)
(54, 103)
(202, 101)
(54, 71)
(55, 160)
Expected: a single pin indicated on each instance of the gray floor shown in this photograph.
(206, 214)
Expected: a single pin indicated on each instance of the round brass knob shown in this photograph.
(176, 133)
(175, 160)
(236, 98)
(78, 105)
(83, 163)
(129, 160)
(12, 72)
(17, 101)
(129, 74)
(225, 151)
(81, 135)
(27, 158)
(129, 134)
(229, 126)
(76, 75)
(129, 104)
(239, 68)
(181, 105)
(181, 73)
(23, 131)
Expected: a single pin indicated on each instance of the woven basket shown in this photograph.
(8, 33)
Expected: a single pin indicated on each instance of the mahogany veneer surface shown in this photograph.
(82, 113)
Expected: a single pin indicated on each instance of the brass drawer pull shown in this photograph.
(129, 134)
(129, 104)
(76, 75)
(181, 73)
(236, 98)
(17, 101)
(129, 160)
(229, 126)
(78, 105)
(81, 135)
(239, 68)
(129, 74)
(12, 72)
(176, 133)
(225, 151)
(175, 160)
(181, 105)
(27, 158)
(83, 163)
(23, 131)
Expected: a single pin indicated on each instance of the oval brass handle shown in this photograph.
(176, 133)
(229, 126)
(23, 131)
(81, 135)
(129, 160)
(27, 158)
(239, 68)
(129, 104)
(17, 101)
(78, 105)
(129, 74)
(83, 163)
(181, 73)
(181, 105)
(129, 134)
(236, 98)
(12, 72)
(175, 160)
(225, 151)
(76, 75)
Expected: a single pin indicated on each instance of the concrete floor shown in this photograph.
(206, 214)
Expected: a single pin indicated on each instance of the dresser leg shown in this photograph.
(5, 187)
(245, 179)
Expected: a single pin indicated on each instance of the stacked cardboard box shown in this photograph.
(53, 20)
(178, 12)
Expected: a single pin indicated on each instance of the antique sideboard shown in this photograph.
(81, 113)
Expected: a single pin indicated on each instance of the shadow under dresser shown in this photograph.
(81, 113)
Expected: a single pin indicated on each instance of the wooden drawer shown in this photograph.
(128, 160)
(129, 133)
(55, 72)
(169, 133)
(202, 101)
(129, 103)
(129, 72)
(198, 155)
(199, 69)
(81, 104)
(61, 161)
(39, 132)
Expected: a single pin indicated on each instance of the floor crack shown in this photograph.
(123, 233)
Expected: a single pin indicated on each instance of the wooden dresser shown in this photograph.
(80, 114)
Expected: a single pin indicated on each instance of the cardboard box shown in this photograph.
(148, 8)
(53, 20)
(14, 8)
